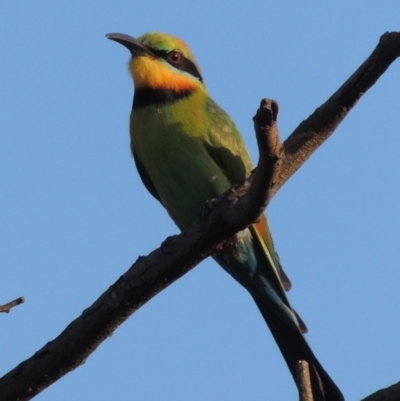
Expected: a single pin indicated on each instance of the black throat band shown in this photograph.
(149, 96)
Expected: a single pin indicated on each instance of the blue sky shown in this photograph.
(74, 214)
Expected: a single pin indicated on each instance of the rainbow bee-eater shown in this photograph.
(187, 151)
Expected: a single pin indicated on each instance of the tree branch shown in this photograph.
(221, 220)
(391, 393)
(8, 306)
(319, 126)
(304, 381)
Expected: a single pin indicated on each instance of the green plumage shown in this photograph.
(187, 150)
(191, 152)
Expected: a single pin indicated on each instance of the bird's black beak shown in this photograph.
(133, 45)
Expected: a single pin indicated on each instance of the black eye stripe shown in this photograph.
(184, 65)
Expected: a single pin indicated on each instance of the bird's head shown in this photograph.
(160, 61)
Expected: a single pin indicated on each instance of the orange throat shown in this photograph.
(151, 73)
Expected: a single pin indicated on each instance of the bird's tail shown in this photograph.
(294, 348)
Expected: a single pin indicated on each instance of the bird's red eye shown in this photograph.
(174, 57)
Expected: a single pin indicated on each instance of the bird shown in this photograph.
(187, 150)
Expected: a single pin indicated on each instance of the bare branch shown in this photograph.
(304, 381)
(269, 145)
(8, 306)
(391, 393)
(222, 219)
(309, 383)
(317, 128)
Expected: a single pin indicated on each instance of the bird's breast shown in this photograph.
(171, 144)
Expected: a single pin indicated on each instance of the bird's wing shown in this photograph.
(145, 178)
(228, 150)
(226, 145)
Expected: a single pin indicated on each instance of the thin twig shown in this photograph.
(8, 306)
(304, 381)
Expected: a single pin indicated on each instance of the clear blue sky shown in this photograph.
(74, 214)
